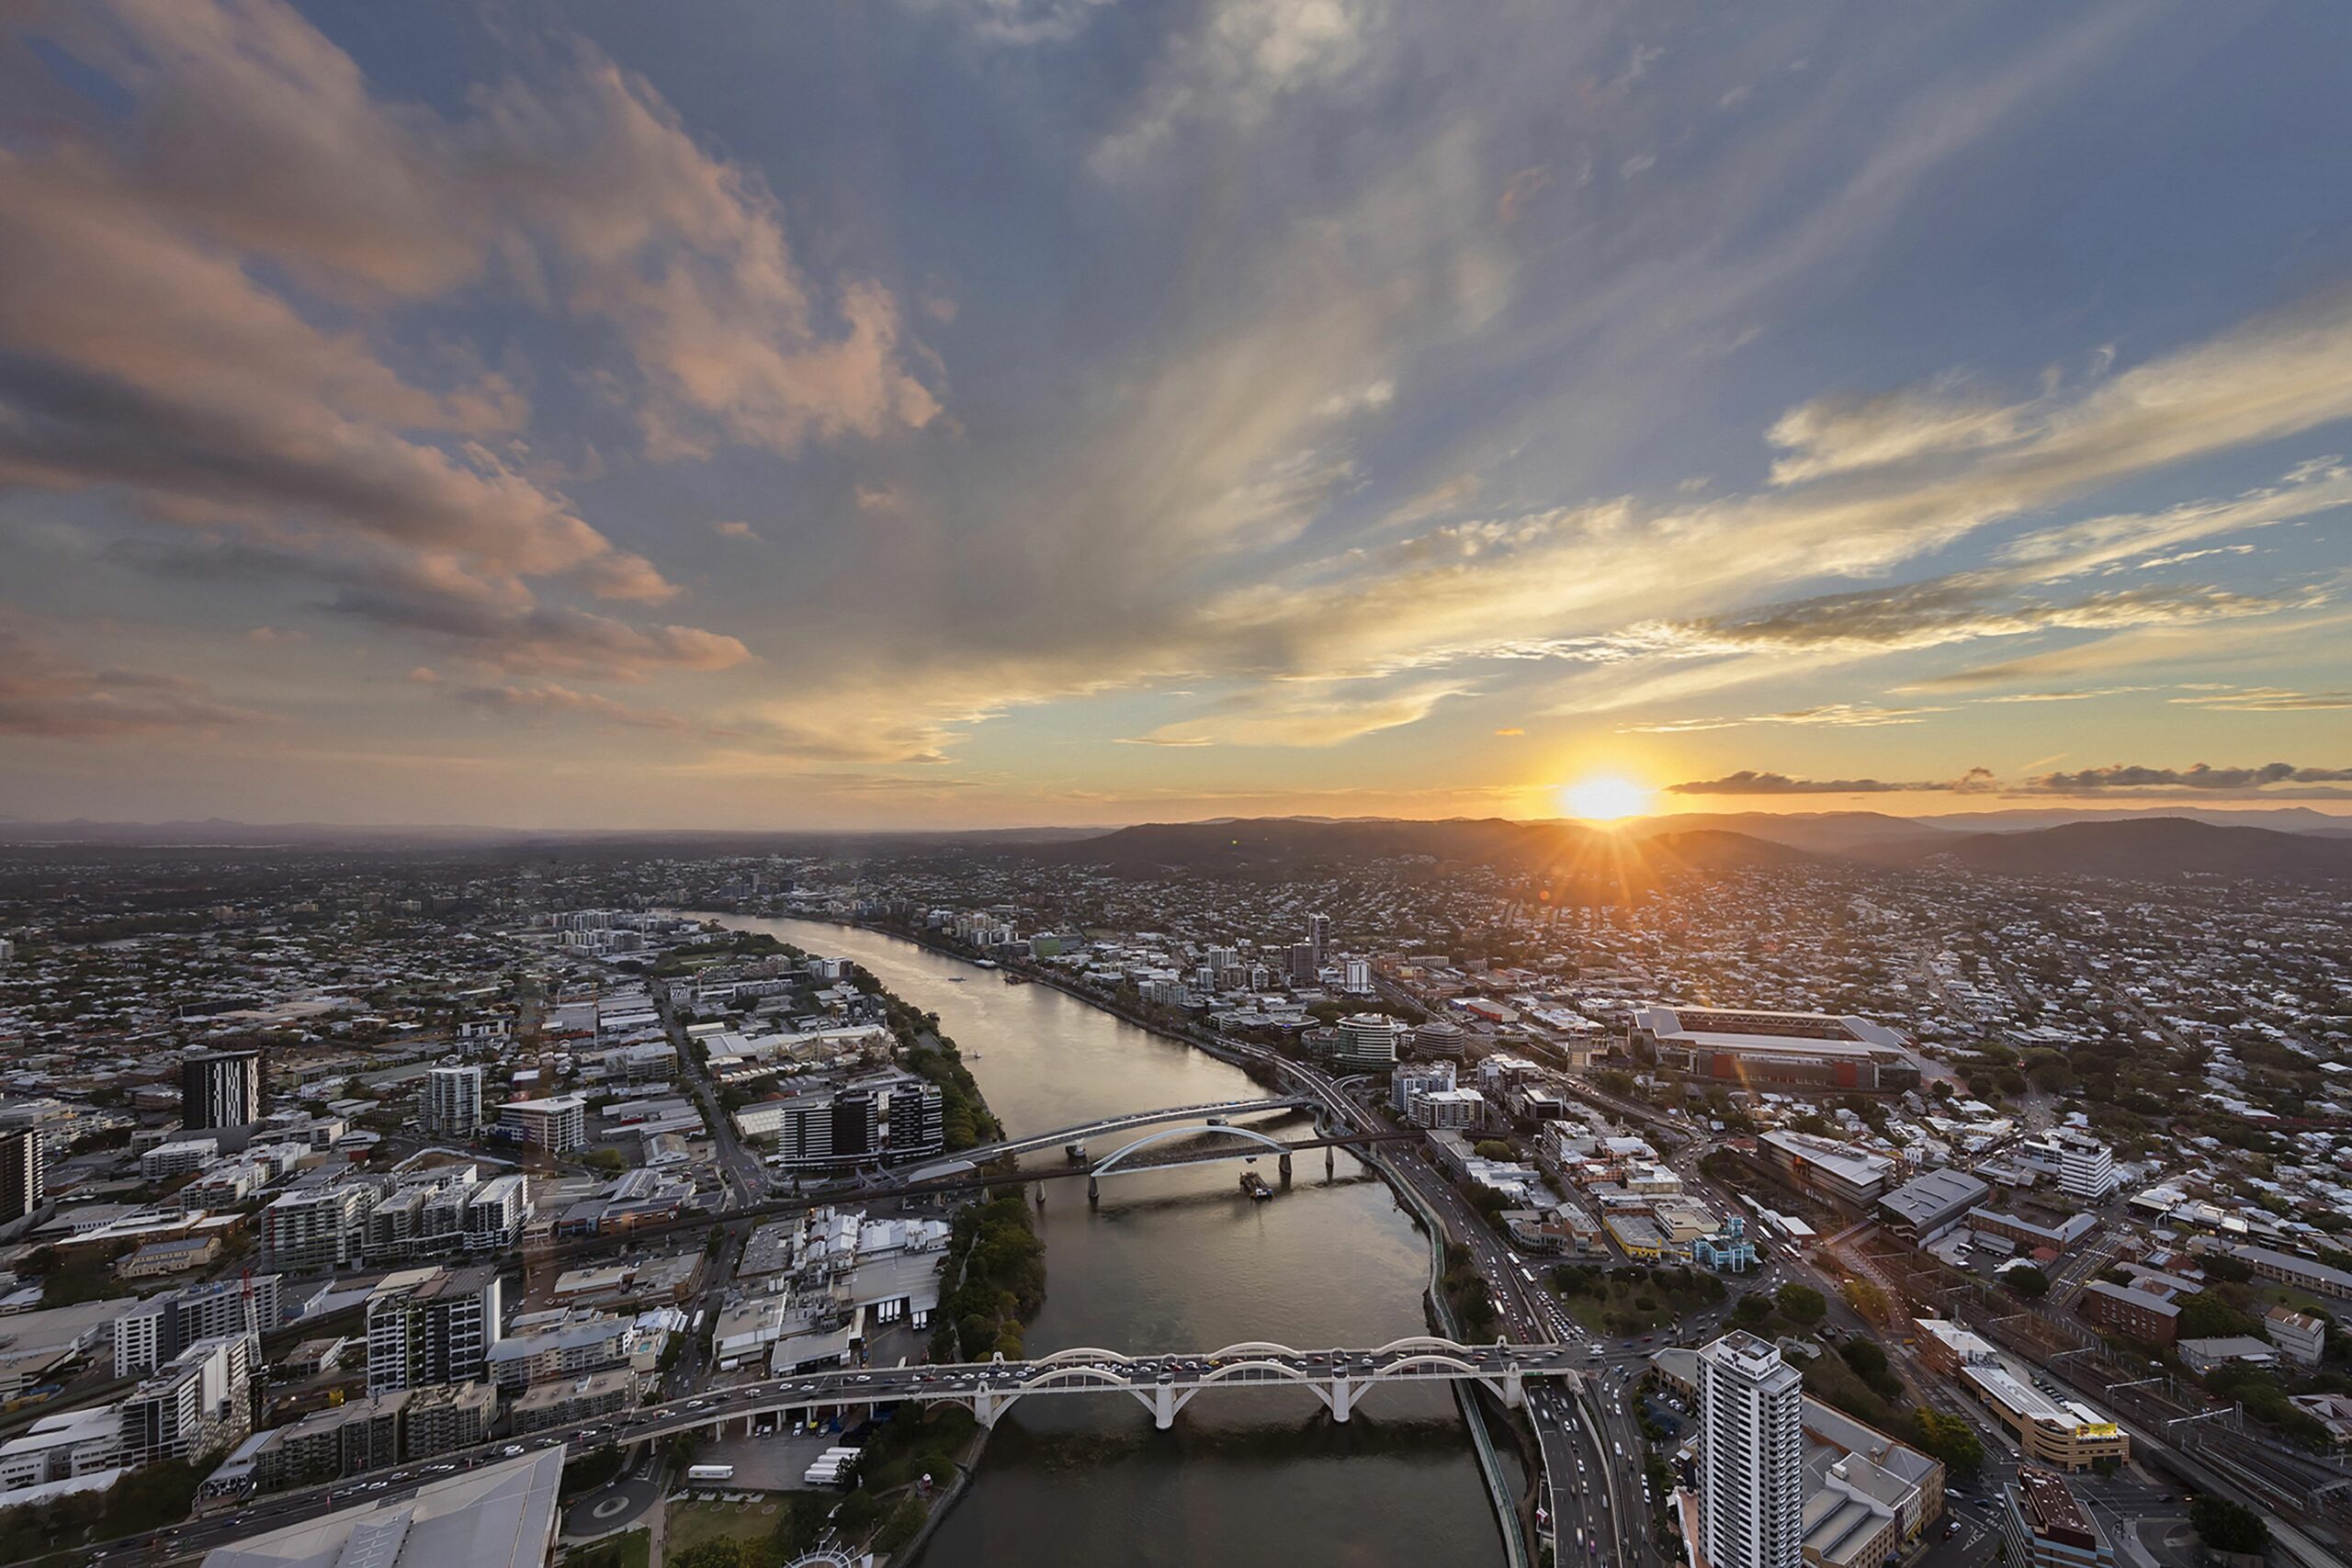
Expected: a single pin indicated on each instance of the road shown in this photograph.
(740, 1172)
(1607, 1500)
(1341, 1376)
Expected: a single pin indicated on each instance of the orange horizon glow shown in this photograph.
(1606, 797)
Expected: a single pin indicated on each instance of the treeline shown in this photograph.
(115, 928)
(965, 1116)
(1468, 1292)
(145, 1499)
(999, 1267)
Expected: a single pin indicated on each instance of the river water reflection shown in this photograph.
(1183, 1261)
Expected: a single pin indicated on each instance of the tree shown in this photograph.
(856, 1514)
(900, 1526)
(1953, 1440)
(2027, 1281)
(1870, 1364)
(2205, 1316)
(1801, 1304)
(1867, 1298)
(2226, 1526)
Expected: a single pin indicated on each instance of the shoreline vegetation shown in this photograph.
(1451, 1284)
(915, 1463)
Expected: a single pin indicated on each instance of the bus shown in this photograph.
(710, 1472)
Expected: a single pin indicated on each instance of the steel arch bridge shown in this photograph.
(1163, 1384)
(1111, 1162)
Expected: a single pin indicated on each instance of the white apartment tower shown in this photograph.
(2085, 1167)
(453, 1102)
(1751, 1456)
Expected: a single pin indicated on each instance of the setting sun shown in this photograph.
(1605, 798)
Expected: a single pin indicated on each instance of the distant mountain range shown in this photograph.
(2145, 847)
(223, 833)
(2303, 845)
(2163, 847)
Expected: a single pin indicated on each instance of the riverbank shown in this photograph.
(1178, 1262)
(1267, 1068)
(1033, 976)
(986, 1307)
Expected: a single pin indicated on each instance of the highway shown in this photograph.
(1592, 1449)
(1340, 1377)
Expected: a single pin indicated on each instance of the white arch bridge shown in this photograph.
(1062, 1136)
(1164, 1384)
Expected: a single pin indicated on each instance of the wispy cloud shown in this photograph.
(1847, 716)
(46, 693)
(2268, 699)
(1976, 781)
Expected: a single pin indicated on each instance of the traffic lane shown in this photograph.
(1479, 1239)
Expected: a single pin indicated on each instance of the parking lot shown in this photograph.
(774, 1463)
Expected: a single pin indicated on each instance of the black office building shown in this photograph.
(219, 1089)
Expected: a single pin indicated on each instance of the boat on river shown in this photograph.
(1255, 1185)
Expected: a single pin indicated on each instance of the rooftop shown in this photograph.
(501, 1516)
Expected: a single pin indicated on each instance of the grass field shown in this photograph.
(634, 1549)
(688, 1523)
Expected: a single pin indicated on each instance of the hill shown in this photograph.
(2161, 847)
(1823, 832)
(1276, 846)
(2025, 820)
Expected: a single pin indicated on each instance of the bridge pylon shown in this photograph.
(1285, 1165)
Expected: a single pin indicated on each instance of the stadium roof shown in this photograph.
(501, 1516)
(1805, 1033)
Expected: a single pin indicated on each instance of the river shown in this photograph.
(1181, 1260)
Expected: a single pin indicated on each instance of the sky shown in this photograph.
(946, 413)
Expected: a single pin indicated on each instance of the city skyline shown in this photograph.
(971, 412)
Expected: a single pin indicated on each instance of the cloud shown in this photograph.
(734, 530)
(1844, 715)
(1750, 781)
(2200, 649)
(2062, 696)
(1311, 713)
(1840, 435)
(48, 694)
(2199, 777)
(1519, 190)
(1017, 22)
(2270, 699)
(1960, 608)
(225, 350)
(496, 624)
(1239, 60)
(1513, 729)
(553, 699)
